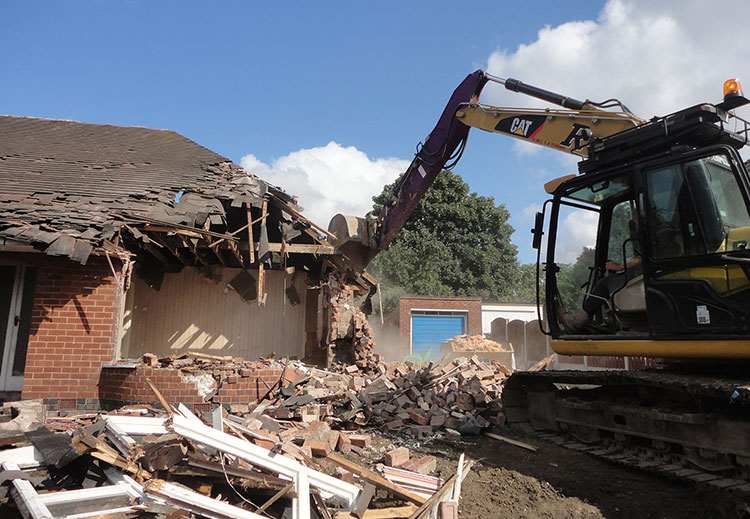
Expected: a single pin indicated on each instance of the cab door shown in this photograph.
(697, 234)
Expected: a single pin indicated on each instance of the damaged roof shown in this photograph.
(70, 188)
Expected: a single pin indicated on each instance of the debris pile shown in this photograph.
(462, 397)
(220, 366)
(463, 345)
(136, 462)
(420, 399)
(471, 343)
(352, 339)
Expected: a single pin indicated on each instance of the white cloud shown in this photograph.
(526, 149)
(330, 179)
(528, 213)
(656, 57)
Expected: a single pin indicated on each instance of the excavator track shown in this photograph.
(676, 424)
(651, 461)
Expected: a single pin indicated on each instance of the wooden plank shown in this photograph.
(250, 478)
(299, 215)
(156, 238)
(261, 268)
(278, 495)
(511, 441)
(183, 232)
(155, 252)
(250, 239)
(159, 397)
(322, 508)
(206, 227)
(301, 248)
(438, 496)
(236, 252)
(394, 512)
(376, 479)
(85, 442)
(190, 245)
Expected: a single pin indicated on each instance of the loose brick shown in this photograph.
(319, 448)
(360, 440)
(397, 457)
(424, 465)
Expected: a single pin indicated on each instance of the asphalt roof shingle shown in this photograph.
(66, 180)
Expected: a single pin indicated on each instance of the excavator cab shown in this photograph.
(681, 216)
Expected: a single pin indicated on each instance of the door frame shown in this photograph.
(9, 382)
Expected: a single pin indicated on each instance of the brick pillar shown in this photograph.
(73, 330)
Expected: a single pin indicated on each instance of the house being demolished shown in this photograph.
(117, 241)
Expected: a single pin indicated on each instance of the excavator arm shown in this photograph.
(444, 143)
(568, 130)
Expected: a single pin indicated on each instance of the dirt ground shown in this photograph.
(556, 483)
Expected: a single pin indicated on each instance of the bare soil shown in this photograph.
(557, 483)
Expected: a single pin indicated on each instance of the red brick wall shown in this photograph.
(123, 385)
(73, 328)
(472, 305)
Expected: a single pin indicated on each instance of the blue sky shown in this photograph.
(329, 99)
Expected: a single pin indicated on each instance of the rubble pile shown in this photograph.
(471, 343)
(138, 462)
(461, 397)
(221, 367)
(486, 349)
(418, 399)
(289, 454)
(352, 339)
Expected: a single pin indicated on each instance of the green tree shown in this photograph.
(455, 243)
(525, 289)
(571, 279)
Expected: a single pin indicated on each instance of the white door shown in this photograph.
(16, 298)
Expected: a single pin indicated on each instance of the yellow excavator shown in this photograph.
(669, 202)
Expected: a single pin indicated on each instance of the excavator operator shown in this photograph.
(617, 276)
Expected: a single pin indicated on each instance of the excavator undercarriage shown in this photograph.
(682, 422)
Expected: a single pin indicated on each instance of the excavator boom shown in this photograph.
(565, 130)
(569, 131)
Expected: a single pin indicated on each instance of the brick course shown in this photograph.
(73, 327)
(128, 385)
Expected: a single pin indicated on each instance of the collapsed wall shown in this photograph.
(351, 340)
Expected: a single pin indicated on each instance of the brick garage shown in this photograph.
(471, 305)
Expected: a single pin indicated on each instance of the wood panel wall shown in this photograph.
(192, 313)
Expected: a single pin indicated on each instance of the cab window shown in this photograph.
(695, 208)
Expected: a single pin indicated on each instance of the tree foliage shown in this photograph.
(571, 279)
(525, 288)
(455, 243)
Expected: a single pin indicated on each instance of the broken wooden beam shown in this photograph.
(278, 495)
(375, 479)
(442, 491)
(511, 441)
(250, 240)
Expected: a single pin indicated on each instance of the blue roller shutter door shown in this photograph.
(428, 332)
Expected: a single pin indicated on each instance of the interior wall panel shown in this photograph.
(192, 313)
